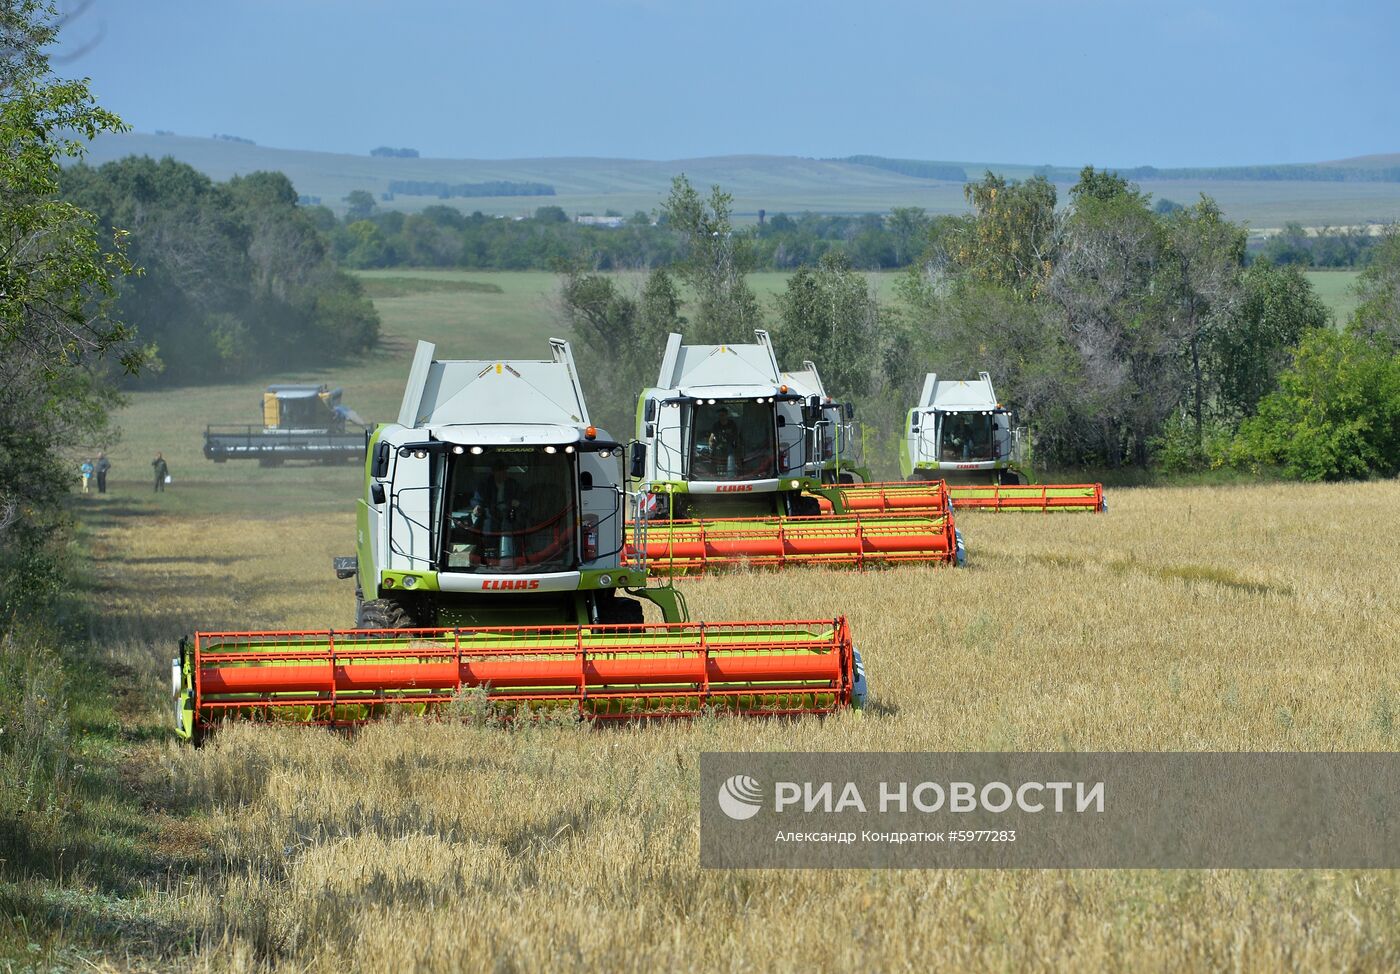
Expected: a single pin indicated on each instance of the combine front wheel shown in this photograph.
(616, 611)
(386, 614)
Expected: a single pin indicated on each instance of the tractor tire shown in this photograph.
(616, 611)
(386, 614)
(846, 478)
(805, 506)
(1009, 478)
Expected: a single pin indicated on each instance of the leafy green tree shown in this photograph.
(57, 284)
(908, 226)
(1335, 415)
(1291, 245)
(1253, 345)
(1012, 239)
(359, 205)
(1201, 261)
(714, 262)
(367, 246)
(1116, 320)
(619, 338)
(427, 241)
(1378, 287)
(829, 315)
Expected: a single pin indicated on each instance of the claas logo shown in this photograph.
(726, 488)
(511, 583)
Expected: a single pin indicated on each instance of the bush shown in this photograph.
(1178, 451)
(36, 773)
(1335, 415)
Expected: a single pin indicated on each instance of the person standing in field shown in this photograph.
(86, 470)
(162, 470)
(101, 468)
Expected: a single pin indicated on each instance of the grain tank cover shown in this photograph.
(518, 392)
(958, 395)
(689, 367)
(805, 381)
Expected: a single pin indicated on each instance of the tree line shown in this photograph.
(1327, 247)
(1127, 335)
(367, 236)
(235, 278)
(441, 190)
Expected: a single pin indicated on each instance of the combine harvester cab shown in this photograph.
(961, 444)
(738, 467)
(300, 422)
(490, 561)
(723, 436)
(834, 447)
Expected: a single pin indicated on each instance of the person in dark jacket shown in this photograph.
(725, 448)
(496, 501)
(102, 466)
(162, 470)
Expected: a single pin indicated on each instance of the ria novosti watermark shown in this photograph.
(984, 810)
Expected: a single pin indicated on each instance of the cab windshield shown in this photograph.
(733, 440)
(511, 510)
(967, 436)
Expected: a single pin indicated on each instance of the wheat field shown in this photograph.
(1259, 617)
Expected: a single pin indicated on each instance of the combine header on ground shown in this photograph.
(491, 564)
(603, 672)
(743, 465)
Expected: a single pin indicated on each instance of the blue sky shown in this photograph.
(1172, 82)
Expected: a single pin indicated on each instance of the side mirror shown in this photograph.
(782, 421)
(376, 493)
(850, 410)
(814, 403)
(639, 461)
(649, 411)
(585, 481)
(381, 460)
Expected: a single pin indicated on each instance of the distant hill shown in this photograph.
(1387, 160)
(1346, 191)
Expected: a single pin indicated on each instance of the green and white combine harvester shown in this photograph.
(962, 447)
(490, 568)
(740, 465)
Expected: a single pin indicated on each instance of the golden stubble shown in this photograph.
(1259, 618)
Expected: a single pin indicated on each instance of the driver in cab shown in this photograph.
(493, 508)
(723, 442)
